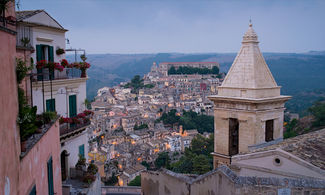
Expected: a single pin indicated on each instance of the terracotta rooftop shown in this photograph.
(309, 147)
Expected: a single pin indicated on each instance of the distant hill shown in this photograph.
(297, 73)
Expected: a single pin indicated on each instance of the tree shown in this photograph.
(136, 181)
(201, 164)
(318, 111)
(215, 70)
(163, 160)
(146, 164)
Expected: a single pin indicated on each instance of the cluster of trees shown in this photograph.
(136, 181)
(192, 70)
(137, 83)
(189, 120)
(316, 120)
(143, 126)
(196, 159)
(318, 111)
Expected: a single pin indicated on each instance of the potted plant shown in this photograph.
(64, 63)
(83, 66)
(81, 164)
(83, 57)
(25, 41)
(59, 51)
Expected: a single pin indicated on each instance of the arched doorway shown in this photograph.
(64, 165)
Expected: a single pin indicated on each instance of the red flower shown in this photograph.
(84, 65)
(81, 115)
(58, 67)
(88, 112)
(64, 63)
(41, 64)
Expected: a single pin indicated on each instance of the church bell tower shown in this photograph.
(248, 110)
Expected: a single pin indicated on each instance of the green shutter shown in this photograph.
(51, 59)
(72, 105)
(51, 54)
(82, 150)
(39, 53)
(39, 57)
(50, 105)
(50, 176)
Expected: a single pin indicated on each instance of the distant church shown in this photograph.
(250, 155)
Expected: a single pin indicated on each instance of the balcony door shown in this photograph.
(44, 52)
(72, 105)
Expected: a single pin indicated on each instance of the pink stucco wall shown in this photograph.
(34, 165)
(9, 133)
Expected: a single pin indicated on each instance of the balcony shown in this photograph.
(67, 129)
(70, 127)
(44, 74)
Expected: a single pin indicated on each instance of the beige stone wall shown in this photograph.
(162, 184)
(252, 118)
(221, 182)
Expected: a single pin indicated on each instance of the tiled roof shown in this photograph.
(309, 147)
(21, 15)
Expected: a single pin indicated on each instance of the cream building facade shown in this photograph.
(248, 108)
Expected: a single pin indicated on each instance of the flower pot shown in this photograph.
(23, 146)
(83, 74)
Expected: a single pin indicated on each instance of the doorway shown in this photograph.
(64, 163)
(233, 136)
(269, 130)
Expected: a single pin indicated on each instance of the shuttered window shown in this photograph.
(82, 150)
(50, 176)
(72, 105)
(50, 105)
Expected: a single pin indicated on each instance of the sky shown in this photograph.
(186, 26)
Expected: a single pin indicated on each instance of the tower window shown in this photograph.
(269, 130)
(233, 136)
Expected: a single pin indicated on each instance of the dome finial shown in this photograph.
(250, 22)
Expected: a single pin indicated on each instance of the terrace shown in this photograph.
(70, 127)
(46, 75)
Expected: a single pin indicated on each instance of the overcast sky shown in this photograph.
(187, 26)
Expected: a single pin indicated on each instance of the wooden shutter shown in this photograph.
(51, 59)
(50, 105)
(39, 57)
(51, 54)
(82, 150)
(72, 105)
(50, 176)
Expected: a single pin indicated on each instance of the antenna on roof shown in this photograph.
(18, 4)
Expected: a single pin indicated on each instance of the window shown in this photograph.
(82, 150)
(269, 130)
(72, 105)
(33, 191)
(233, 136)
(50, 105)
(50, 176)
